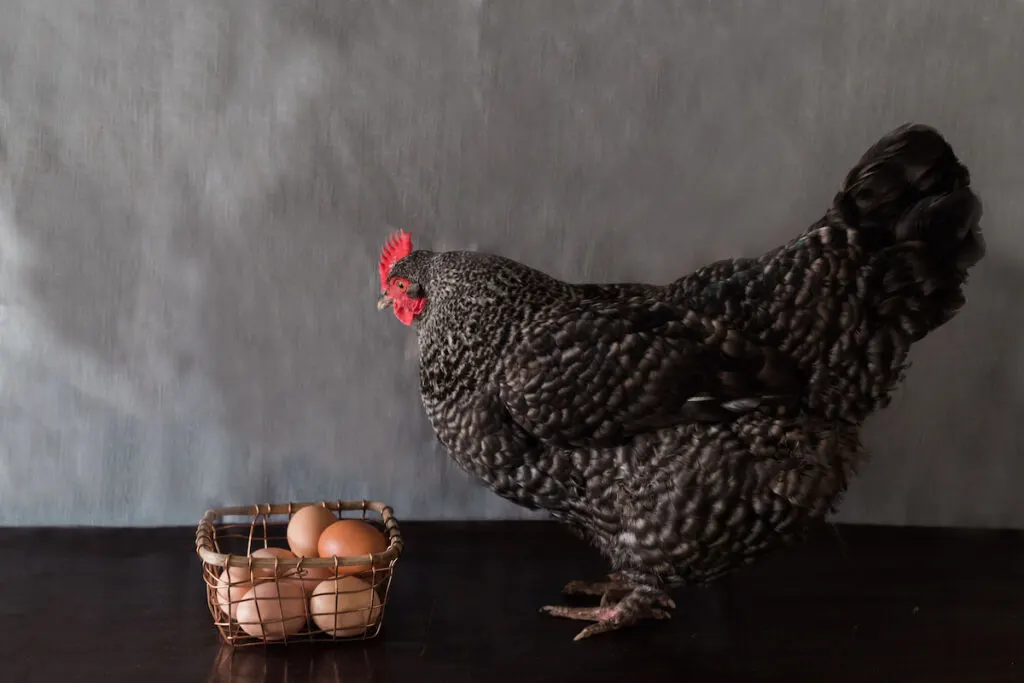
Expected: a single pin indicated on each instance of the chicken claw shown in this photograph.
(611, 591)
(614, 581)
(634, 607)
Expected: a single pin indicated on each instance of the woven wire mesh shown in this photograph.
(281, 600)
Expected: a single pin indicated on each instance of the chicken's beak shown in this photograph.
(383, 302)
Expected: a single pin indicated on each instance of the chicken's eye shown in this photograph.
(401, 284)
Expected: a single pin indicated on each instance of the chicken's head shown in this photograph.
(400, 289)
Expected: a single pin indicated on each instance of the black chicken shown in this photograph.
(687, 429)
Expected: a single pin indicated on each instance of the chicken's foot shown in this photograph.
(638, 604)
(614, 581)
(612, 590)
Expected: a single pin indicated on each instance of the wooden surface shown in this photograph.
(858, 604)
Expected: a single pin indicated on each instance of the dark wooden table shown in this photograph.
(858, 604)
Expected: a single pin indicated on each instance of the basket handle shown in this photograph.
(206, 535)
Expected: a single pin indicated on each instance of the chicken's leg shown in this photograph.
(611, 590)
(640, 601)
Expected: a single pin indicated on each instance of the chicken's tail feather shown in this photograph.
(909, 199)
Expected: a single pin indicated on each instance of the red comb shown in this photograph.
(396, 248)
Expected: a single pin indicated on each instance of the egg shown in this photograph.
(311, 577)
(345, 607)
(271, 552)
(273, 609)
(234, 582)
(305, 527)
(351, 537)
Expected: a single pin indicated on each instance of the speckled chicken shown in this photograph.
(686, 429)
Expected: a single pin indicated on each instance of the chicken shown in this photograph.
(687, 429)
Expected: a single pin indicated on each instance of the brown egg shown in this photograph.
(234, 582)
(345, 607)
(273, 609)
(310, 577)
(351, 537)
(305, 527)
(271, 552)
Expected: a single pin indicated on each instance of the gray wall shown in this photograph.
(193, 195)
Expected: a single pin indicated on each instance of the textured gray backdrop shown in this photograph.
(193, 195)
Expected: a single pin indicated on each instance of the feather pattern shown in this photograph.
(685, 429)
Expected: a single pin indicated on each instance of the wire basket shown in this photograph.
(281, 600)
